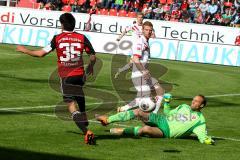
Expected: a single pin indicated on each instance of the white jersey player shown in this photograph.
(136, 32)
(135, 29)
(141, 77)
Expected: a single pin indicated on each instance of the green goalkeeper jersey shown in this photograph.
(183, 121)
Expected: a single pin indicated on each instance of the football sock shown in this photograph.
(121, 117)
(79, 120)
(158, 103)
(131, 131)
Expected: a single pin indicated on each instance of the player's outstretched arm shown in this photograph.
(201, 133)
(34, 53)
(120, 37)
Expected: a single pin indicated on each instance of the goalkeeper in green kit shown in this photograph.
(173, 123)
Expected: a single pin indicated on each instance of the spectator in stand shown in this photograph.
(148, 12)
(192, 8)
(236, 19)
(48, 6)
(126, 5)
(213, 8)
(176, 14)
(237, 4)
(75, 7)
(184, 5)
(226, 17)
(174, 6)
(136, 6)
(41, 5)
(167, 16)
(103, 3)
(166, 8)
(203, 7)
(186, 16)
(174, 18)
(93, 10)
(118, 4)
(158, 12)
(212, 11)
(198, 18)
(217, 19)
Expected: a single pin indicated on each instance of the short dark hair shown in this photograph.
(68, 21)
(204, 102)
(147, 23)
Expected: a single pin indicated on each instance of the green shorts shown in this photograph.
(159, 121)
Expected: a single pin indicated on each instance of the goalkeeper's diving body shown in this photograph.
(173, 123)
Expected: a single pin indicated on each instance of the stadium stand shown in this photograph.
(214, 12)
(28, 4)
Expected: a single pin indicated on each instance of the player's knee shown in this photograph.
(145, 130)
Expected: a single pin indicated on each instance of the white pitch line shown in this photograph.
(97, 103)
(231, 139)
(23, 108)
(115, 124)
(224, 95)
(52, 106)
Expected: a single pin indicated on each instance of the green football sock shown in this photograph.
(121, 117)
(132, 131)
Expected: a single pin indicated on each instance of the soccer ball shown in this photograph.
(146, 104)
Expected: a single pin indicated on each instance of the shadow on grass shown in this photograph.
(17, 154)
(172, 151)
(107, 136)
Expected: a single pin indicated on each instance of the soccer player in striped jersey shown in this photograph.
(70, 46)
(135, 30)
(173, 123)
(141, 77)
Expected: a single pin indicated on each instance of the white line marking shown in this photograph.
(52, 106)
(230, 139)
(115, 124)
(224, 95)
(98, 103)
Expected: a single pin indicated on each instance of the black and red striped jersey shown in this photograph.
(69, 47)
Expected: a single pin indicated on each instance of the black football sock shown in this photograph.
(79, 120)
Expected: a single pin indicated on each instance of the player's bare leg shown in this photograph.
(123, 116)
(153, 132)
(124, 68)
(159, 96)
(103, 119)
(117, 131)
(132, 105)
(157, 90)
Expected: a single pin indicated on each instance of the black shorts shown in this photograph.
(72, 90)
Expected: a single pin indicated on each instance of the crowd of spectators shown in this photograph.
(214, 12)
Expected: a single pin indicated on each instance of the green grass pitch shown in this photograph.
(32, 127)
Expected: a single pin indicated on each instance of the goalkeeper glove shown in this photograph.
(209, 141)
(167, 97)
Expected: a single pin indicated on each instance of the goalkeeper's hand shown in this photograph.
(167, 97)
(209, 141)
